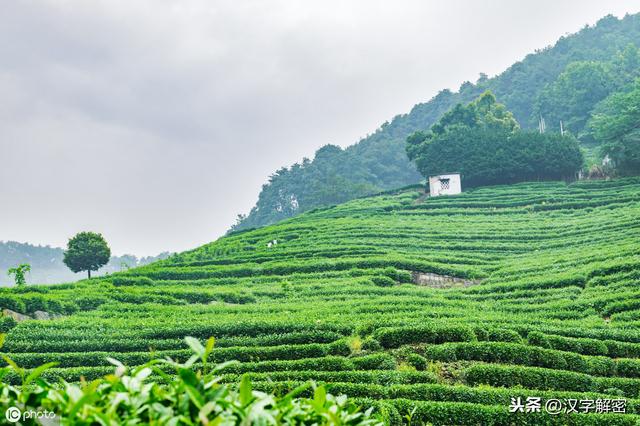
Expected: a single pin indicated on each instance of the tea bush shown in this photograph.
(192, 397)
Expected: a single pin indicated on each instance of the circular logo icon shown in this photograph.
(13, 414)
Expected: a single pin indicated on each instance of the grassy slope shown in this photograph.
(557, 311)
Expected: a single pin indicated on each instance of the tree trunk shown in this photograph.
(89, 273)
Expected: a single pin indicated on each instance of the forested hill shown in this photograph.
(561, 82)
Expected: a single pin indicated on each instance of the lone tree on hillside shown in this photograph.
(18, 273)
(87, 251)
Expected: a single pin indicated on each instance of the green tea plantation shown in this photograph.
(505, 305)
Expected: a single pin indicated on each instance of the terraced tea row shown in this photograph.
(549, 307)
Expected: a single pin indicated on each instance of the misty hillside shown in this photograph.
(47, 266)
(564, 82)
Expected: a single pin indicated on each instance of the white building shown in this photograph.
(447, 184)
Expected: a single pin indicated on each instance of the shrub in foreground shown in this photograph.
(193, 396)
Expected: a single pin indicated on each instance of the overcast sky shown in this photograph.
(156, 122)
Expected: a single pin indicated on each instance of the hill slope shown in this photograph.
(555, 82)
(545, 303)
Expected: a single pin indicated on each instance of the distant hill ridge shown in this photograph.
(47, 266)
(378, 162)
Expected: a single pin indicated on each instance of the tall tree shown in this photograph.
(482, 141)
(87, 251)
(616, 124)
(572, 96)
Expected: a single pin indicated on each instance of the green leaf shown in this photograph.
(246, 395)
(36, 372)
(285, 400)
(195, 346)
(11, 362)
(14, 366)
(115, 362)
(195, 396)
(216, 422)
(206, 409)
(224, 365)
(188, 377)
(320, 395)
(86, 399)
(210, 344)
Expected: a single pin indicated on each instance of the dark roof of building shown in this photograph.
(442, 174)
